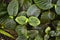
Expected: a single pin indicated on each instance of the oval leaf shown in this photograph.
(13, 8)
(33, 11)
(34, 21)
(21, 20)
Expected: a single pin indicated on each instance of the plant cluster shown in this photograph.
(30, 19)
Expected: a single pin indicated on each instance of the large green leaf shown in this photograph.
(21, 20)
(5, 33)
(57, 7)
(13, 8)
(33, 11)
(34, 21)
(44, 4)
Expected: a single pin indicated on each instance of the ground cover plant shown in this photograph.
(29, 19)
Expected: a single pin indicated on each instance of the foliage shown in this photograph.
(30, 19)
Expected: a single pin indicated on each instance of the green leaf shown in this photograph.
(2, 6)
(34, 21)
(33, 11)
(32, 33)
(22, 13)
(51, 15)
(21, 20)
(2, 19)
(21, 38)
(10, 24)
(57, 7)
(55, 22)
(47, 30)
(5, 33)
(2, 13)
(38, 37)
(58, 35)
(21, 2)
(52, 33)
(21, 30)
(44, 4)
(47, 16)
(58, 26)
(13, 8)
(27, 4)
(46, 37)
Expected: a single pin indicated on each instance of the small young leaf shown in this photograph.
(34, 21)
(33, 11)
(13, 8)
(47, 30)
(21, 20)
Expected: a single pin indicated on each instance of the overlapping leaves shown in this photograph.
(30, 19)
